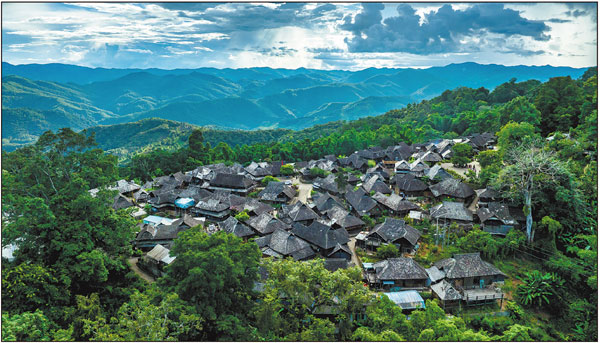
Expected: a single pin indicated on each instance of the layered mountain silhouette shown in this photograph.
(37, 97)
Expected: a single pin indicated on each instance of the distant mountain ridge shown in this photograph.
(39, 97)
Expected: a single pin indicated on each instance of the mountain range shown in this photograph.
(36, 98)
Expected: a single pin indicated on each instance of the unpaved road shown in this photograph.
(304, 190)
(351, 245)
(133, 265)
(462, 171)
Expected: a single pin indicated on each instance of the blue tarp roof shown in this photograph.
(156, 220)
(184, 202)
(407, 300)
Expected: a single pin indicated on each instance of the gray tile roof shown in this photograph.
(360, 201)
(275, 190)
(452, 211)
(320, 235)
(497, 210)
(453, 188)
(393, 229)
(466, 265)
(285, 243)
(488, 194)
(400, 268)
(435, 274)
(343, 218)
(211, 204)
(438, 173)
(232, 225)
(409, 183)
(375, 184)
(234, 181)
(431, 157)
(121, 202)
(299, 212)
(325, 201)
(445, 291)
(395, 202)
(265, 224)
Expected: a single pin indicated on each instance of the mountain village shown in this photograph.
(305, 210)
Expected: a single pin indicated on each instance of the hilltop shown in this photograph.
(39, 97)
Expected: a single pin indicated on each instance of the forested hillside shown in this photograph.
(36, 97)
(70, 278)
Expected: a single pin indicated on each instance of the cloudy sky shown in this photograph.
(293, 35)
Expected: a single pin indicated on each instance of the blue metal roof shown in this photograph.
(407, 300)
(184, 202)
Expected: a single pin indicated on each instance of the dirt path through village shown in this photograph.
(304, 190)
(133, 265)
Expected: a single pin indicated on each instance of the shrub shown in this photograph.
(387, 251)
(265, 181)
(242, 216)
(287, 169)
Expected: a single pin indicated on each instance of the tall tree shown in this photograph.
(216, 274)
(529, 168)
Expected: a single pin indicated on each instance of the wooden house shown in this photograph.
(277, 192)
(395, 204)
(397, 274)
(392, 231)
(234, 183)
(453, 188)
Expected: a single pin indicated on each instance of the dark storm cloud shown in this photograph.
(188, 6)
(232, 17)
(441, 32)
(557, 20)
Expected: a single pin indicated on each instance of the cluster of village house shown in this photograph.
(284, 226)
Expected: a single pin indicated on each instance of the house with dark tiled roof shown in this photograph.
(354, 161)
(453, 188)
(298, 213)
(378, 170)
(487, 195)
(448, 296)
(375, 184)
(121, 202)
(409, 185)
(234, 183)
(373, 153)
(233, 226)
(212, 208)
(395, 205)
(325, 201)
(402, 167)
(265, 224)
(156, 260)
(396, 274)
(163, 234)
(257, 171)
(341, 218)
(392, 231)
(328, 184)
(277, 192)
(418, 168)
(362, 204)
(164, 199)
(496, 219)
(324, 240)
(437, 174)
(469, 271)
(398, 152)
(430, 158)
(449, 212)
(281, 243)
